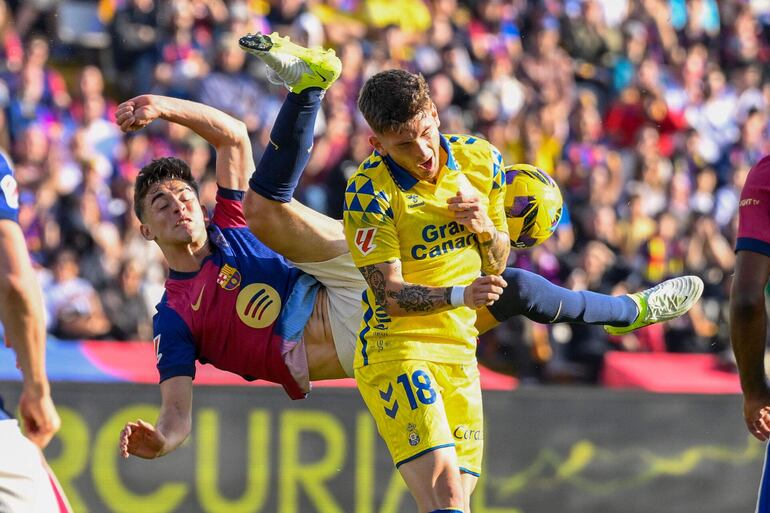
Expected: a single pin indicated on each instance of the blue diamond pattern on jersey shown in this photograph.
(360, 197)
(498, 177)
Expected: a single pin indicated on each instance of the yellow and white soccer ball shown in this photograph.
(533, 205)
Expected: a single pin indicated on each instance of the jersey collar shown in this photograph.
(401, 176)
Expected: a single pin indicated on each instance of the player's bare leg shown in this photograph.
(281, 222)
(434, 481)
(297, 232)
(469, 482)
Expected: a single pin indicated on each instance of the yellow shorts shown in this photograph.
(421, 406)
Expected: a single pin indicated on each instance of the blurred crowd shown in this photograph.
(648, 113)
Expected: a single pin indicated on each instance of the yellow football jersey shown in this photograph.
(391, 215)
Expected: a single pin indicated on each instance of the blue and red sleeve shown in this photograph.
(228, 212)
(174, 344)
(754, 210)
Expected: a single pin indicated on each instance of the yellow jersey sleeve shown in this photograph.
(369, 222)
(497, 192)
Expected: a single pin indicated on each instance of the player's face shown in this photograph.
(173, 214)
(416, 147)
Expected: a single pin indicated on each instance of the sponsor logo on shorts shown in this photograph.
(464, 433)
(749, 202)
(412, 435)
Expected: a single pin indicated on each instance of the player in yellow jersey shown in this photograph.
(424, 218)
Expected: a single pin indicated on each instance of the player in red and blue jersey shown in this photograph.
(230, 300)
(748, 318)
(26, 483)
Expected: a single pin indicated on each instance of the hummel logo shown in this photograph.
(197, 304)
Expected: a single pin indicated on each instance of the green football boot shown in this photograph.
(294, 66)
(663, 302)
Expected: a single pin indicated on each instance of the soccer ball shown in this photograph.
(533, 205)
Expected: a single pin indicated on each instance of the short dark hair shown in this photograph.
(160, 170)
(392, 98)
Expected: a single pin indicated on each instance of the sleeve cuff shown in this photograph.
(755, 245)
(230, 194)
(176, 370)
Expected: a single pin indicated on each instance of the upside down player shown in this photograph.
(298, 338)
(27, 485)
(748, 317)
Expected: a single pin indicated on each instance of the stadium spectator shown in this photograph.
(125, 307)
(74, 308)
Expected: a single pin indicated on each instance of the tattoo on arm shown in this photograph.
(411, 298)
(376, 281)
(417, 298)
(494, 253)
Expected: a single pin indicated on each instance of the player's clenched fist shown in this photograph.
(470, 212)
(137, 113)
(484, 291)
(141, 439)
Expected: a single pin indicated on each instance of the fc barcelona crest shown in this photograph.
(229, 278)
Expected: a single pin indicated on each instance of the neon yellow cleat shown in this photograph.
(295, 66)
(662, 302)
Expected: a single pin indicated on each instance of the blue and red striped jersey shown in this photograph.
(240, 312)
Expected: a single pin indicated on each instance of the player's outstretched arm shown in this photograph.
(401, 299)
(494, 244)
(21, 313)
(174, 424)
(748, 334)
(226, 134)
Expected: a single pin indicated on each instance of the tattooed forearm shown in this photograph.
(416, 298)
(404, 298)
(494, 253)
(376, 281)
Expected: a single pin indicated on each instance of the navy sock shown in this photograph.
(536, 298)
(291, 139)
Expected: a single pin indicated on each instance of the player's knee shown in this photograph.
(449, 494)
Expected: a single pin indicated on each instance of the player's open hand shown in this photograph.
(756, 412)
(470, 212)
(137, 113)
(38, 416)
(484, 291)
(141, 439)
